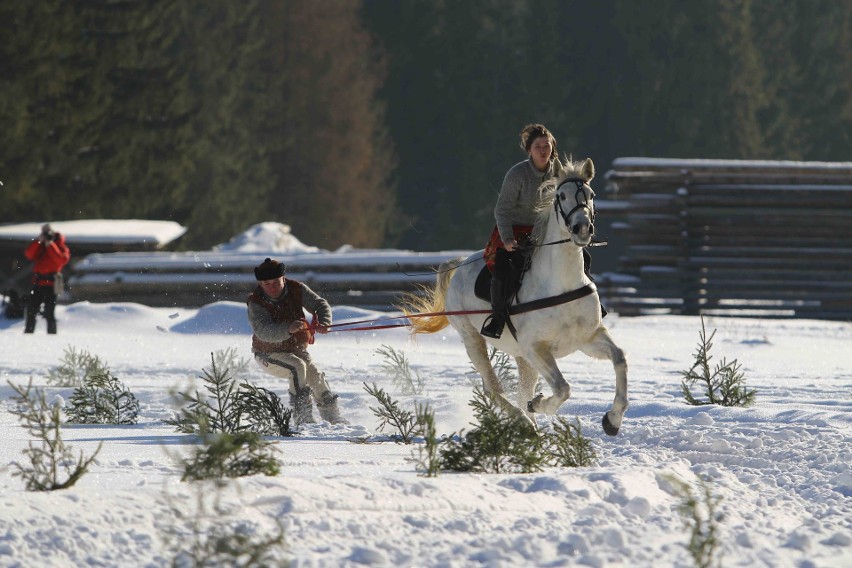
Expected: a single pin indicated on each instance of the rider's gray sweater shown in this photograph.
(519, 196)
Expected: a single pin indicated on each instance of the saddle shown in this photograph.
(482, 286)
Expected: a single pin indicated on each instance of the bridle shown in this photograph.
(582, 200)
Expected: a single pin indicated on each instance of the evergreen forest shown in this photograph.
(391, 123)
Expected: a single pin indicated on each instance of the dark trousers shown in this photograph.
(41, 295)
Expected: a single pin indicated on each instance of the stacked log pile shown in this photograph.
(733, 237)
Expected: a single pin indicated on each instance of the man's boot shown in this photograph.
(301, 405)
(29, 326)
(51, 326)
(500, 294)
(328, 410)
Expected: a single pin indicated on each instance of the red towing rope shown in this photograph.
(314, 327)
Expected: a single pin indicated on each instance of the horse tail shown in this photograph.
(429, 301)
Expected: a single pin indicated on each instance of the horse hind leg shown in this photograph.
(542, 360)
(478, 353)
(603, 347)
(527, 380)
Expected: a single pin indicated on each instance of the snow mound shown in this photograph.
(266, 237)
(227, 318)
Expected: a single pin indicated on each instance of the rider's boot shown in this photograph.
(587, 268)
(500, 295)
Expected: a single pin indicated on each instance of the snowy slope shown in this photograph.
(781, 467)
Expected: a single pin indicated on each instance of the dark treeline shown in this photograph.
(391, 122)
(213, 113)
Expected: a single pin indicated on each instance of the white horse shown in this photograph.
(544, 334)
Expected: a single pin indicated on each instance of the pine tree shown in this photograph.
(427, 460)
(390, 414)
(231, 455)
(76, 368)
(263, 410)
(103, 399)
(500, 443)
(807, 49)
(699, 85)
(217, 411)
(52, 463)
(724, 385)
(331, 154)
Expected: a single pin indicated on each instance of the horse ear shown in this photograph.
(587, 169)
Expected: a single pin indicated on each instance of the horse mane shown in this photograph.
(546, 195)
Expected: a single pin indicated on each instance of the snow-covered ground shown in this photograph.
(782, 467)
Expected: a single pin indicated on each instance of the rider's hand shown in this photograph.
(510, 245)
(297, 326)
(322, 329)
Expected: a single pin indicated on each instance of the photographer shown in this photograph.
(50, 255)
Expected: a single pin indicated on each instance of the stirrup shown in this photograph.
(493, 327)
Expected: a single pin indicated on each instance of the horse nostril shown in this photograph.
(575, 228)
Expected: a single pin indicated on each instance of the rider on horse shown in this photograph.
(515, 213)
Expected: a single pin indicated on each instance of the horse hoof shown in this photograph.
(532, 404)
(608, 428)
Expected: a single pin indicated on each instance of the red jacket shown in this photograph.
(49, 259)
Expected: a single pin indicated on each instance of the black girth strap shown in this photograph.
(553, 300)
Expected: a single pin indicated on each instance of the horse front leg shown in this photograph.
(477, 351)
(603, 347)
(542, 360)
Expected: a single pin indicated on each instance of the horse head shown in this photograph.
(574, 202)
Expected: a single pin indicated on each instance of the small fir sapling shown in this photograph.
(230, 408)
(427, 462)
(230, 359)
(231, 455)
(701, 518)
(52, 463)
(207, 534)
(397, 367)
(503, 368)
(503, 443)
(390, 414)
(220, 407)
(75, 367)
(724, 385)
(103, 399)
(566, 446)
(264, 412)
(499, 444)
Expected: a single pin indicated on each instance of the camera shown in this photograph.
(47, 232)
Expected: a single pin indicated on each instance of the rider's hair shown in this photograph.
(533, 131)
